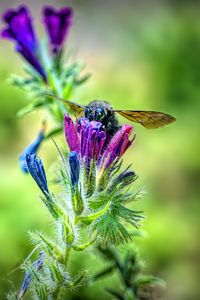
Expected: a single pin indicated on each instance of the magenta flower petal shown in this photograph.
(117, 146)
(92, 138)
(71, 134)
(58, 23)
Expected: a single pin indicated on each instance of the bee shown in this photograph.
(102, 111)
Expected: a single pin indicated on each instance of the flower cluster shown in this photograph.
(98, 191)
(89, 140)
(100, 183)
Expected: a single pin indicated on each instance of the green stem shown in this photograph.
(57, 292)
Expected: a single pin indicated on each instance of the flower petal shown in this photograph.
(117, 146)
(71, 134)
(58, 23)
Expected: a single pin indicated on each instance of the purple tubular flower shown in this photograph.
(92, 139)
(58, 23)
(19, 28)
(117, 146)
(74, 167)
(71, 134)
(87, 138)
(31, 149)
(36, 169)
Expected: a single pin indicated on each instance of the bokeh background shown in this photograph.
(142, 55)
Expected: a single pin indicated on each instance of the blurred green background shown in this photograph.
(142, 55)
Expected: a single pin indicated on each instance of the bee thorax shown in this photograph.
(102, 111)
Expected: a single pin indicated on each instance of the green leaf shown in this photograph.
(51, 207)
(46, 243)
(89, 219)
(30, 108)
(82, 79)
(82, 247)
(77, 200)
(58, 275)
(89, 179)
(79, 281)
(108, 230)
(105, 272)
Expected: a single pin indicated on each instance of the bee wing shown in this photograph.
(76, 108)
(148, 119)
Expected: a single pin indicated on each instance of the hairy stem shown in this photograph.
(57, 292)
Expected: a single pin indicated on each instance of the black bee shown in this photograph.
(102, 111)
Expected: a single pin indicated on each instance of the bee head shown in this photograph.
(101, 111)
(95, 113)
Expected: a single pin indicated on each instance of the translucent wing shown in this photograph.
(148, 119)
(76, 108)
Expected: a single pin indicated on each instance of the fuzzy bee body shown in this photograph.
(103, 112)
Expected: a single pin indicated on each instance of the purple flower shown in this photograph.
(86, 138)
(92, 138)
(71, 134)
(36, 169)
(58, 23)
(20, 30)
(74, 167)
(89, 140)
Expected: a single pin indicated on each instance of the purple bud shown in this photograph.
(57, 23)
